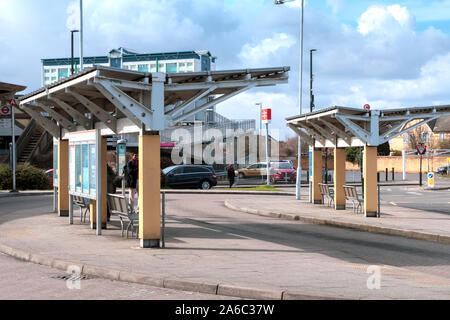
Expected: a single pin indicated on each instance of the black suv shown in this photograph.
(189, 176)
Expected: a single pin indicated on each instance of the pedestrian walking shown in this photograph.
(230, 172)
(132, 181)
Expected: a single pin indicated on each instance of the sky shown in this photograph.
(383, 53)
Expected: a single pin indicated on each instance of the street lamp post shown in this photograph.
(311, 77)
(72, 59)
(299, 167)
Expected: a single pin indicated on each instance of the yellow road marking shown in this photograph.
(393, 203)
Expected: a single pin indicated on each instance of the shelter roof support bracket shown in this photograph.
(48, 124)
(65, 123)
(341, 133)
(134, 110)
(96, 111)
(323, 132)
(79, 118)
(410, 128)
(316, 135)
(354, 128)
(213, 102)
(299, 132)
(192, 100)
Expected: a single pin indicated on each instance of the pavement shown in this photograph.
(395, 220)
(213, 250)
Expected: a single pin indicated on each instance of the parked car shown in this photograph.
(49, 174)
(282, 171)
(253, 170)
(443, 170)
(189, 176)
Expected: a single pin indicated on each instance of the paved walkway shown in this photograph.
(212, 248)
(394, 220)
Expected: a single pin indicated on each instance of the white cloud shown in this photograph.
(385, 20)
(266, 50)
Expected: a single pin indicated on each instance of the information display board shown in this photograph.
(83, 164)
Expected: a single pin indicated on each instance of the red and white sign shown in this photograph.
(367, 107)
(266, 115)
(421, 148)
(5, 111)
(13, 102)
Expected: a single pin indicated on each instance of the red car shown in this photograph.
(49, 174)
(282, 172)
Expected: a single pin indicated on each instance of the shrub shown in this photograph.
(27, 178)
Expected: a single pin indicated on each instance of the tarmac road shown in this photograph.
(319, 259)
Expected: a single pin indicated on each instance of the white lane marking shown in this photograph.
(414, 193)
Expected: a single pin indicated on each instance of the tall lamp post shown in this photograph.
(299, 167)
(72, 59)
(311, 77)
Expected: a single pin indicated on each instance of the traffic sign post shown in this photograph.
(13, 103)
(366, 107)
(431, 179)
(421, 149)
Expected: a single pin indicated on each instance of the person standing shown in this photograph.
(230, 172)
(132, 180)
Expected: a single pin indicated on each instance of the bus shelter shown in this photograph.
(82, 110)
(341, 127)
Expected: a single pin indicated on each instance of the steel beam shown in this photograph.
(96, 111)
(213, 102)
(75, 114)
(125, 104)
(63, 121)
(192, 100)
(354, 128)
(340, 133)
(299, 132)
(48, 124)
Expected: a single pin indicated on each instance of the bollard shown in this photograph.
(393, 174)
(387, 174)
(163, 231)
(378, 177)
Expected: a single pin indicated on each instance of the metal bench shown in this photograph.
(83, 204)
(352, 195)
(119, 205)
(327, 192)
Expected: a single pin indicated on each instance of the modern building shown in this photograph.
(54, 70)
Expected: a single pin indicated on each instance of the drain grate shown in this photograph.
(72, 277)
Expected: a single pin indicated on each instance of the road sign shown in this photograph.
(13, 102)
(421, 149)
(367, 107)
(431, 179)
(5, 111)
(266, 115)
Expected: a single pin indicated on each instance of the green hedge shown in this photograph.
(27, 178)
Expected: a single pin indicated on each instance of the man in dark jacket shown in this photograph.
(230, 172)
(132, 180)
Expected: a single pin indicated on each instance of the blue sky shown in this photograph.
(385, 53)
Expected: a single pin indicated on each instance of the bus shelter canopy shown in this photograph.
(339, 127)
(8, 90)
(118, 101)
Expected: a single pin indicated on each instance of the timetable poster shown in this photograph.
(93, 170)
(85, 168)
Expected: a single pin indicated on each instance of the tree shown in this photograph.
(384, 149)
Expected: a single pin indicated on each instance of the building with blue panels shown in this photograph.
(54, 70)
